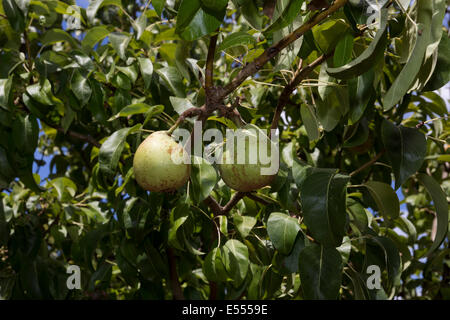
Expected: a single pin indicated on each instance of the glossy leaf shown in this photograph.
(112, 148)
(406, 149)
(441, 205)
(385, 198)
(235, 258)
(203, 177)
(409, 72)
(5, 89)
(320, 272)
(80, 87)
(343, 51)
(287, 15)
(282, 231)
(236, 39)
(368, 58)
(244, 224)
(323, 203)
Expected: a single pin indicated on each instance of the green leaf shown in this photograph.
(214, 5)
(385, 198)
(343, 52)
(369, 57)
(146, 66)
(57, 35)
(5, 89)
(409, 72)
(94, 5)
(194, 22)
(138, 108)
(323, 202)
(250, 12)
(120, 41)
(345, 249)
(158, 5)
(244, 224)
(320, 272)
(203, 177)
(282, 231)
(291, 262)
(360, 91)
(388, 256)
(310, 121)
(441, 74)
(178, 217)
(112, 148)
(43, 93)
(213, 267)
(236, 261)
(406, 149)
(121, 80)
(26, 134)
(80, 87)
(7, 172)
(327, 34)
(93, 36)
(131, 72)
(287, 15)
(173, 80)
(65, 188)
(235, 39)
(441, 205)
(14, 15)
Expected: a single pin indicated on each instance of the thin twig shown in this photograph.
(368, 164)
(260, 61)
(299, 75)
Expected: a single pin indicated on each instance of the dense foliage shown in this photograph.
(363, 141)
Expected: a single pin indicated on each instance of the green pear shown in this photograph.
(246, 176)
(161, 164)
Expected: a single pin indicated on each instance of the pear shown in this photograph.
(161, 164)
(246, 176)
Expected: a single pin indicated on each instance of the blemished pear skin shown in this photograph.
(244, 177)
(161, 164)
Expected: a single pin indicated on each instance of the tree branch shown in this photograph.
(217, 209)
(233, 201)
(174, 282)
(271, 52)
(299, 75)
(368, 164)
(209, 72)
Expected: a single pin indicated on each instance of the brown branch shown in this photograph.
(368, 164)
(217, 209)
(209, 72)
(299, 75)
(177, 293)
(271, 52)
(233, 201)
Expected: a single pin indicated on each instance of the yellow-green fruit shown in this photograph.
(245, 177)
(160, 164)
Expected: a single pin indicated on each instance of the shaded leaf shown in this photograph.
(320, 272)
(282, 231)
(441, 205)
(406, 149)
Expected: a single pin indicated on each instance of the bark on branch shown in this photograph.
(253, 67)
(299, 76)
